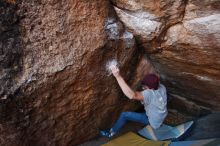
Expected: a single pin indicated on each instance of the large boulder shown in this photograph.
(182, 39)
(206, 127)
(191, 53)
(55, 89)
(147, 19)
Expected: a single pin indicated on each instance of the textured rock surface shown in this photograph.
(194, 47)
(187, 36)
(54, 86)
(206, 127)
(149, 19)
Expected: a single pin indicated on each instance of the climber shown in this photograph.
(153, 97)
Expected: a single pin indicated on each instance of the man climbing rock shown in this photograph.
(153, 97)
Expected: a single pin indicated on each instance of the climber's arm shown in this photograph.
(124, 86)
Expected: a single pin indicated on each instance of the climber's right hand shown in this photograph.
(115, 70)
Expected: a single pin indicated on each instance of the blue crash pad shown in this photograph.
(204, 142)
(166, 132)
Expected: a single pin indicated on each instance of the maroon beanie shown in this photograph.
(151, 80)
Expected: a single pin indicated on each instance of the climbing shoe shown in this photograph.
(106, 133)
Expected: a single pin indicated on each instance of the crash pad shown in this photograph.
(166, 132)
(132, 139)
(205, 142)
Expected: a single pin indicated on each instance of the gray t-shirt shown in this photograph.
(155, 105)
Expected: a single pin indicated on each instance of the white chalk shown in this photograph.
(111, 28)
(129, 39)
(109, 64)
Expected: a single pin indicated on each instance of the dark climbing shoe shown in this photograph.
(106, 133)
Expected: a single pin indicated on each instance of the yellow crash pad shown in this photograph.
(132, 139)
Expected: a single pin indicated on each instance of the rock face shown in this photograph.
(149, 19)
(206, 128)
(54, 86)
(182, 39)
(196, 43)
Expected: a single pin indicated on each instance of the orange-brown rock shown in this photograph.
(55, 89)
(182, 39)
(191, 54)
(148, 19)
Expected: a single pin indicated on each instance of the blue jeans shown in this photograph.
(129, 116)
